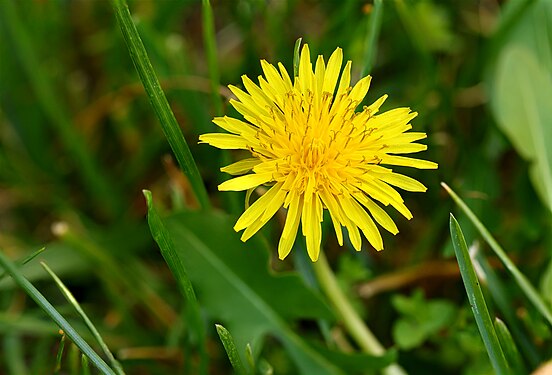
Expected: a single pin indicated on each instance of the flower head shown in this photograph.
(316, 152)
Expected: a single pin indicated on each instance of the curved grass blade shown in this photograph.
(477, 301)
(231, 350)
(510, 349)
(520, 278)
(166, 246)
(41, 301)
(71, 299)
(159, 101)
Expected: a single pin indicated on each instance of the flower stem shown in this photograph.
(345, 311)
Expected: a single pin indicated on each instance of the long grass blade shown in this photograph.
(47, 307)
(371, 43)
(159, 101)
(520, 278)
(477, 301)
(231, 350)
(72, 300)
(164, 241)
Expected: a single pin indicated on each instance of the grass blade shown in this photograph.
(41, 301)
(211, 49)
(59, 355)
(510, 349)
(296, 56)
(374, 26)
(71, 299)
(159, 101)
(25, 260)
(231, 350)
(477, 301)
(520, 278)
(209, 40)
(164, 241)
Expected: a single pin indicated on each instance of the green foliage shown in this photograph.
(420, 319)
(522, 88)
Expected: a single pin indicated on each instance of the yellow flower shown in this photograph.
(315, 152)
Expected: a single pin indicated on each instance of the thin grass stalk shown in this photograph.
(47, 307)
(163, 239)
(72, 300)
(520, 278)
(477, 301)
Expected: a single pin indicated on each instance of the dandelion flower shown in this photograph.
(315, 152)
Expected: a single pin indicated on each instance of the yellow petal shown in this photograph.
(245, 182)
(305, 70)
(224, 141)
(332, 71)
(345, 80)
(290, 227)
(403, 182)
(240, 167)
(379, 214)
(408, 162)
(361, 88)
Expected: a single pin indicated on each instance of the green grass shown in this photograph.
(101, 107)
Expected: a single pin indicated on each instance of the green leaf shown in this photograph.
(522, 88)
(235, 286)
(477, 301)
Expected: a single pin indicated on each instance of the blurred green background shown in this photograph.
(79, 141)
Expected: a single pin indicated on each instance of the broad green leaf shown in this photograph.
(522, 90)
(235, 286)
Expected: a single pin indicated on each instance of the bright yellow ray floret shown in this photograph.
(316, 153)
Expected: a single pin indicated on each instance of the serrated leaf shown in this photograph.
(235, 286)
